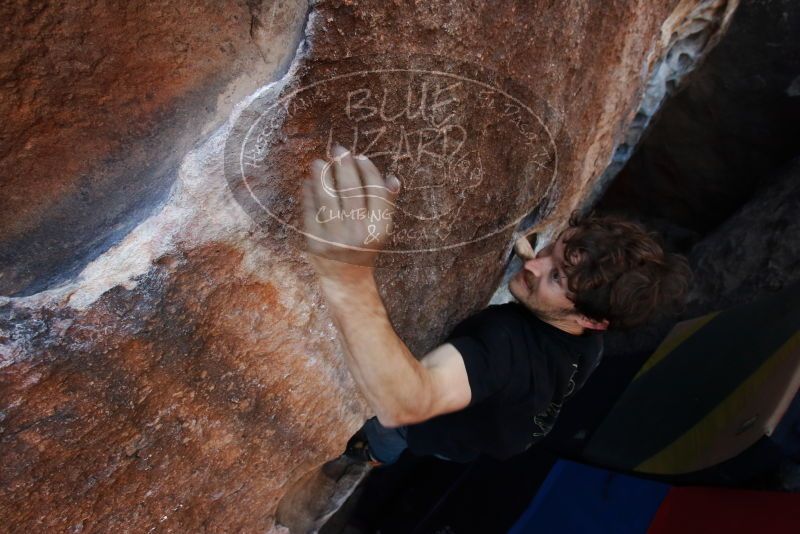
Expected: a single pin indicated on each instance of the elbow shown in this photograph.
(397, 418)
(414, 408)
(389, 420)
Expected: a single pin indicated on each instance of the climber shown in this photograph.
(497, 384)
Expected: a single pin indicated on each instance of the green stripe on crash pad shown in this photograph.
(677, 392)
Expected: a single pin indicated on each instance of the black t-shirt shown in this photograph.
(520, 371)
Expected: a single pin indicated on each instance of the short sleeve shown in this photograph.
(488, 353)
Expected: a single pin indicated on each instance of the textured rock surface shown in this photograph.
(755, 252)
(189, 376)
(100, 102)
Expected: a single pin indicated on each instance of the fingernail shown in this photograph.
(339, 150)
(394, 184)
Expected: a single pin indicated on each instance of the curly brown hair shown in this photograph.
(618, 271)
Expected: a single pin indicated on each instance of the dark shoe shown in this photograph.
(358, 449)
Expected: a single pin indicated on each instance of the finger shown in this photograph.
(348, 182)
(524, 249)
(376, 187)
(325, 201)
(324, 183)
(392, 188)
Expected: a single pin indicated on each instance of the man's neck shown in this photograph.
(567, 326)
(562, 323)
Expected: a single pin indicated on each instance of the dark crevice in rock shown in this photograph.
(696, 34)
(725, 136)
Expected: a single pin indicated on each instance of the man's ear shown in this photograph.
(591, 324)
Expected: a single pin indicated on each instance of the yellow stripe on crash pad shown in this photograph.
(680, 333)
(685, 454)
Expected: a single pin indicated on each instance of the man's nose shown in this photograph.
(537, 266)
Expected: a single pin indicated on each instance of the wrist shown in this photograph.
(348, 283)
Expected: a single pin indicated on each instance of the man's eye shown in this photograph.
(555, 276)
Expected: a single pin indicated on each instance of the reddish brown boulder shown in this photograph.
(100, 102)
(189, 378)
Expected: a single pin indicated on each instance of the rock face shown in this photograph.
(755, 252)
(167, 361)
(100, 103)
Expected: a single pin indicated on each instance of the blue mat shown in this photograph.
(576, 499)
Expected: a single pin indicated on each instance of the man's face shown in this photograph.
(541, 285)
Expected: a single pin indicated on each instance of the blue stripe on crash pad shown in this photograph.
(576, 499)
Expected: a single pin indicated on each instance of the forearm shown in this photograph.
(386, 372)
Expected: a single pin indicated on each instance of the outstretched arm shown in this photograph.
(400, 389)
(386, 372)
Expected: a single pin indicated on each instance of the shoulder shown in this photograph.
(497, 327)
(508, 309)
(506, 316)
